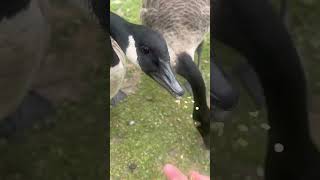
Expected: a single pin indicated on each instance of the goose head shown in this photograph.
(148, 50)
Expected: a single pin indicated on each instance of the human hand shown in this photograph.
(173, 173)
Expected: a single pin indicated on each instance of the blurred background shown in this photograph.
(239, 142)
(71, 143)
(151, 128)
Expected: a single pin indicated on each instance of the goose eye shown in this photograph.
(145, 50)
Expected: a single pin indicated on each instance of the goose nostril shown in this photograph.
(169, 79)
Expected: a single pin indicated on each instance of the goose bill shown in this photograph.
(167, 79)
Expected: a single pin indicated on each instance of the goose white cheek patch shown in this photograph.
(191, 53)
(131, 51)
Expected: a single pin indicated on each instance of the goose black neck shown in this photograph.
(275, 58)
(284, 84)
(120, 30)
(189, 70)
(258, 33)
(10, 8)
(100, 8)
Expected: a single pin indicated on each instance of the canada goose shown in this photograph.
(225, 94)
(183, 23)
(252, 28)
(24, 36)
(117, 69)
(146, 49)
(118, 60)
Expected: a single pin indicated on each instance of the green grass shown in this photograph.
(163, 130)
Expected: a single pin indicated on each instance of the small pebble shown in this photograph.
(132, 167)
(278, 148)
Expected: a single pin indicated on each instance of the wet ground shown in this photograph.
(239, 143)
(151, 128)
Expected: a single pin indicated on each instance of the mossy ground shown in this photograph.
(163, 130)
(239, 150)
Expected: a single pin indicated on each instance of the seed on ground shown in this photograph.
(242, 142)
(243, 128)
(254, 114)
(131, 123)
(265, 126)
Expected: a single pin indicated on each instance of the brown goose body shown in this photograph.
(118, 71)
(183, 23)
(24, 37)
